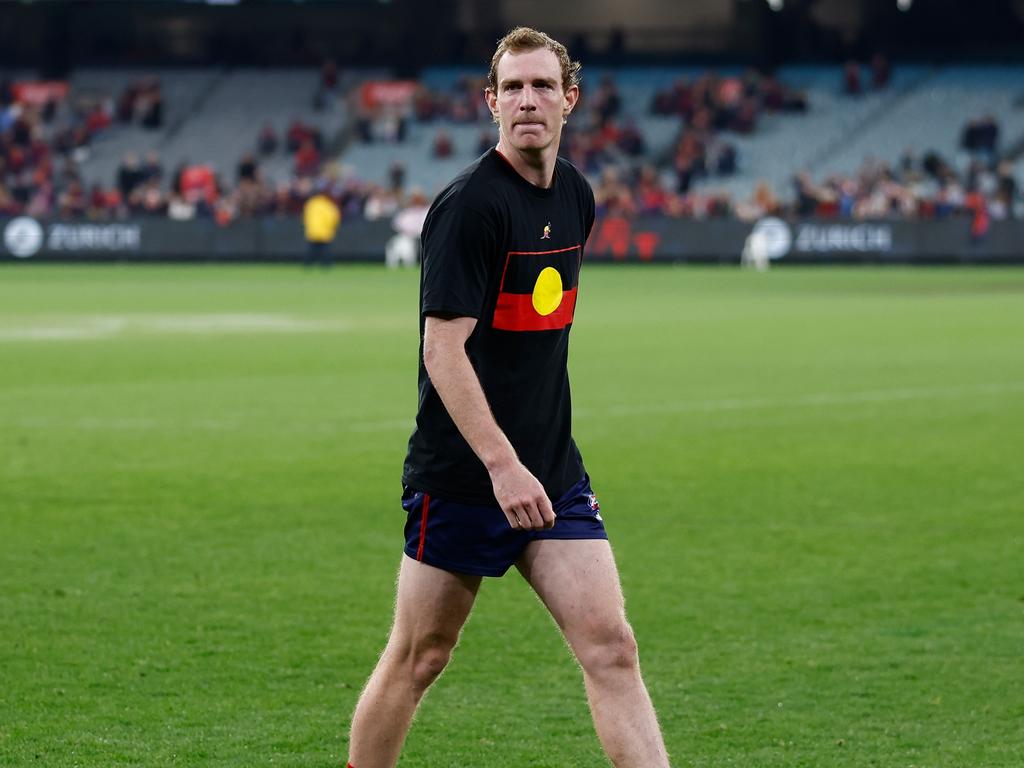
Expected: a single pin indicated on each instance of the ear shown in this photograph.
(492, 101)
(571, 97)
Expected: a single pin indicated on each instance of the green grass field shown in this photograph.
(813, 481)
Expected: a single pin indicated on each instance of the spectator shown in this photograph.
(651, 195)
(881, 71)
(103, 204)
(380, 203)
(224, 212)
(426, 106)
(298, 134)
(981, 135)
(975, 204)
(612, 195)
(287, 201)
(762, 203)
(364, 125)
(251, 198)
(484, 141)
(152, 169)
(608, 102)
(180, 209)
(725, 159)
(851, 79)
(148, 200)
(329, 76)
(631, 140)
(744, 118)
(389, 127)
(150, 104)
(97, 121)
(443, 147)
(246, 168)
(1007, 184)
(267, 141)
(41, 202)
(689, 160)
(396, 178)
(847, 198)
(6, 93)
(806, 194)
(307, 159)
(8, 205)
(21, 130)
(129, 175)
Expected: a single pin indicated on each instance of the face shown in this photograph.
(530, 103)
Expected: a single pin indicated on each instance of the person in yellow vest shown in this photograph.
(320, 217)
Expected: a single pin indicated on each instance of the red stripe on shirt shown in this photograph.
(515, 312)
(423, 526)
(510, 254)
(542, 253)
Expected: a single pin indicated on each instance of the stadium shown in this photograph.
(796, 376)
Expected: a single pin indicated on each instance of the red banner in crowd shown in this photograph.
(40, 91)
(388, 93)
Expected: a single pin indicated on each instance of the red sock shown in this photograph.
(349, 765)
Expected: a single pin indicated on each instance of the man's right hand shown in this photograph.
(520, 495)
(522, 498)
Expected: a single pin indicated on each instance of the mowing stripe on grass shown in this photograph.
(810, 400)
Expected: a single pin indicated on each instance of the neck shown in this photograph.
(537, 167)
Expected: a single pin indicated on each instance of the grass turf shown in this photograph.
(811, 479)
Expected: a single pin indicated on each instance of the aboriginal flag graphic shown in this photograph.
(538, 290)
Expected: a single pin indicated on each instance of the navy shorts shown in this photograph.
(478, 540)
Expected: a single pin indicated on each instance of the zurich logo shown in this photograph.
(23, 237)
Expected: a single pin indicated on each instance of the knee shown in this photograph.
(428, 663)
(423, 660)
(609, 649)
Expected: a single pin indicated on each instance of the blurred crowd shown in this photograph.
(918, 187)
(711, 105)
(879, 75)
(196, 191)
(42, 147)
(44, 140)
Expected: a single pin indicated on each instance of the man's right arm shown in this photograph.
(519, 494)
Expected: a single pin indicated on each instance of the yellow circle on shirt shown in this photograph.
(547, 292)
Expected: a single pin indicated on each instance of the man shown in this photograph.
(403, 249)
(320, 219)
(493, 477)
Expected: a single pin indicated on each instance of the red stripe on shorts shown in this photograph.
(423, 526)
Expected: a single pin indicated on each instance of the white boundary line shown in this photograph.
(99, 327)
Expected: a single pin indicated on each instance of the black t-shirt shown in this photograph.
(508, 253)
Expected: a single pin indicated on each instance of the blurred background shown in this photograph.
(802, 130)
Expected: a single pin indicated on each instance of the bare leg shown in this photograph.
(579, 584)
(430, 609)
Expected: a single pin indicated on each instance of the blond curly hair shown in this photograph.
(522, 39)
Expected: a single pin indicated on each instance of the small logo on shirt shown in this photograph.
(547, 232)
(592, 502)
